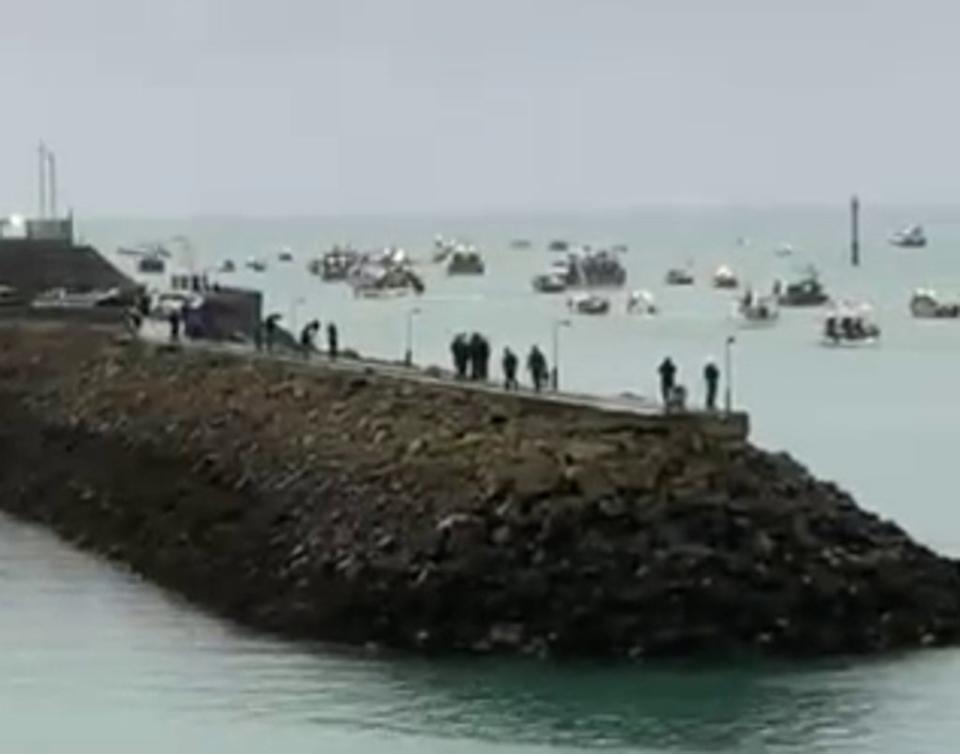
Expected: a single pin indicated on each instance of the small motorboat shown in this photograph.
(520, 243)
(911, 237)
(724, 277)
(558, 245)
(465, 261)
(641, 302)
(285, 255)
(227, 265)
(761, 310)
(255, 264)
(679, 276)
(550, 282)
(588, 303)
(805, 291)
(620, 248)
(926, 304)
(850, 325)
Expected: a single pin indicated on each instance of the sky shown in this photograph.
(327, 107)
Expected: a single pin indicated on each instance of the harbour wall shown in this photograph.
(356, 506)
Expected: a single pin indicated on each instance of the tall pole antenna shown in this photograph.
(52, 166)
(42, 170)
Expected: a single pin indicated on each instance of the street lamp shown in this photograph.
(728, 370)
(555, 370)
(408, 355)
(294, 313)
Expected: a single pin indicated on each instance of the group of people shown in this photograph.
(308, 339)
(471, 361)
(674, 395)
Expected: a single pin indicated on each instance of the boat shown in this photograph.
(336, 264)
(850, 325)
(724, 277)
(757, 309)
(550, 282)
(285, 255)
(520, 243)
(679, 276)
(257, 265)
(465, 261)
(592, 269)
(641, 302)
(620, 248)
(227, 265)
(384, 274)
(911, 237)
(588, 303)
(558, 245)
(784, 250)
(151, 265)
(805, 291)
(926, 304)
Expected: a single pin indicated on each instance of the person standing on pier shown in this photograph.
(307, 337)
(711, 377)
(509, 363)
(174, 319)
(537, 364)
(483, 359)
(333, 341)
(668, 379)
(460, 350)
(270, 327)
(475, 351)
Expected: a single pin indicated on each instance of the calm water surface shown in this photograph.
(92, 660)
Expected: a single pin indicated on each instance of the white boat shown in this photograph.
(641, 302)
(549, 282)
(850, 325)
(255, 264)
(588, 303)
(911, 237)
(756, 309)
(784, 250)
(926, 304)
(724, 277)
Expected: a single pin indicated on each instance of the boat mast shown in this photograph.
(855, 231)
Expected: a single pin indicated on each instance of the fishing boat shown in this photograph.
(151, 264)
(558, 245)
(641, 302)
(679, 276)
(549, 282)
(911, 237)
(227, 265)
(724, 277)
(592, 269)
(520, 243)
(850, 324)
(588, 303)
(334, 265)
(465, 261)
(285, 255)
(384, 275)
(807, 290)
(926, 304)
(256, 264)
(756, 309)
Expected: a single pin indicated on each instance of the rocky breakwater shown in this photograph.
(359, 508)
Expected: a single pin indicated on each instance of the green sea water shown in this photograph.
(92, 660)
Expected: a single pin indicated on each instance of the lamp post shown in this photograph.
(555, 365)
(728, 371)
(408, 354)
(295, 314)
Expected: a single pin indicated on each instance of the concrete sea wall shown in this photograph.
(368, 509)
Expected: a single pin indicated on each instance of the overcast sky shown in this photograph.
(370, 106)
